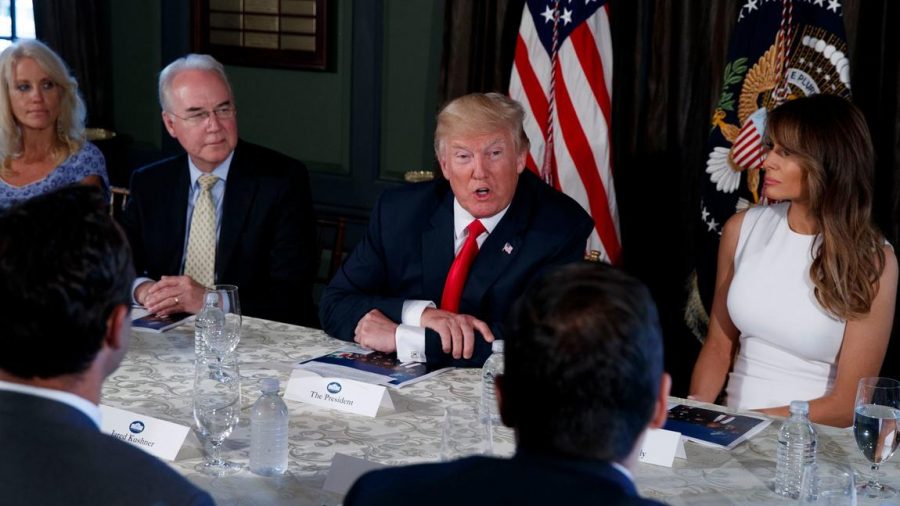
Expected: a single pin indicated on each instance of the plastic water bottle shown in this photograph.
(210, 321)
(492, 367)
(796, 450)
(269, 431)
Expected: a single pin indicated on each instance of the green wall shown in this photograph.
(135, 28)
(411, 63)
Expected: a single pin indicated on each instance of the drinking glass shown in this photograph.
(828, 484)
(217, 408)
(225, 343)
(463, 432)
(875, 428)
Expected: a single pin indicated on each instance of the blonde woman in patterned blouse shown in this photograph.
(42, 145)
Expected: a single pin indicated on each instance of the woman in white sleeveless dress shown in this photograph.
(805, 288)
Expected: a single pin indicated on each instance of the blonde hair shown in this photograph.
(830, 138)
(72, 112)
(478, 114)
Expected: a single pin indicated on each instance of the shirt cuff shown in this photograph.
(137, 283)
(412, 311)
(410, 343)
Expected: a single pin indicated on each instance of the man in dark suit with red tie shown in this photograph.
(582, 384)
(470, 242)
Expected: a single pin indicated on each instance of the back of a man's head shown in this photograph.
(583, 363)
(64, 266)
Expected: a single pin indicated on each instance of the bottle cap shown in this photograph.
(268, 385)
(212, 298)
(799, 407)
(497, 346)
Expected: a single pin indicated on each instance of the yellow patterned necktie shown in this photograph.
(201, 253)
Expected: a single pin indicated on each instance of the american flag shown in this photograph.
(562, 75)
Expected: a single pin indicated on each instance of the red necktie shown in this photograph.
(456, 277)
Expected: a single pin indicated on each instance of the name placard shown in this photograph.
(157, 437)
(337, 393)
(661, 447)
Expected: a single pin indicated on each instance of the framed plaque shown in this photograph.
(263, 33)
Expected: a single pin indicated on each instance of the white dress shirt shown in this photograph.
(410, 334)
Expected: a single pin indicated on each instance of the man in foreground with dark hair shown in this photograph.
(65, 292)
(583, 382)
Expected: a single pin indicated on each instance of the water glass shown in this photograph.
(217, 410)
(226, 342)
(876, 414)
(828, 484)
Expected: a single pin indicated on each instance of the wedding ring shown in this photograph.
(177, 301)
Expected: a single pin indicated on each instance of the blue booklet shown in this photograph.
(713, 428)
(360, 364)
(156, 323)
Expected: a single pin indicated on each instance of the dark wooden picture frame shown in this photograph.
(263, 33)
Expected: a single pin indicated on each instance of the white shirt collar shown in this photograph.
(81, 404)
(221, 171)
(624, 470)
(462, 218)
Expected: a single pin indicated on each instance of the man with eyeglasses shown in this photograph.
(225, 212)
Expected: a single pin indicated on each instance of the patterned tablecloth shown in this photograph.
(156, 376)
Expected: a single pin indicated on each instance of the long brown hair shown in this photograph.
(830, 138)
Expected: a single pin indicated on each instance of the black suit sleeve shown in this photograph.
(130, 220)
(359, 285)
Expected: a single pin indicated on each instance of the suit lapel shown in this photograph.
(240, 189)
(499, 250)
(437, 249)
(173, 213)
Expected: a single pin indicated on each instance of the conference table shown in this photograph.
(155, 379)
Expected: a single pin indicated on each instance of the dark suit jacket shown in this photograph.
(522, 480)
(266, 239)
(408, 250)
(54, 454)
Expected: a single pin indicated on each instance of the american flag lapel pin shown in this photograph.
(507, 248)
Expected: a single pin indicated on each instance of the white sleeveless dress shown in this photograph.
(788, 343)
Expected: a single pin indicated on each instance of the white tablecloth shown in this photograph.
(156, 377)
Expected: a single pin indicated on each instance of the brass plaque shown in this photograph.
(261, 6)
(301, 7)
(264, 40)
(298, 25)
(261, 23)
(225, 5)
(218, 20)
(225, 38)
(298, 42)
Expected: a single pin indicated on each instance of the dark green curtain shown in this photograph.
(668, 59)
(73, 30)
(479, 43)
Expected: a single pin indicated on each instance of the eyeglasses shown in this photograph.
(197, 118)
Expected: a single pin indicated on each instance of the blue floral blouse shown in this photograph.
(88, 161)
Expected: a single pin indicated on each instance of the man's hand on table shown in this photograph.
(171, 294)
(457, 331)
(376, 332)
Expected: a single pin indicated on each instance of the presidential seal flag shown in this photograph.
(780, 49)
(562, 76)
